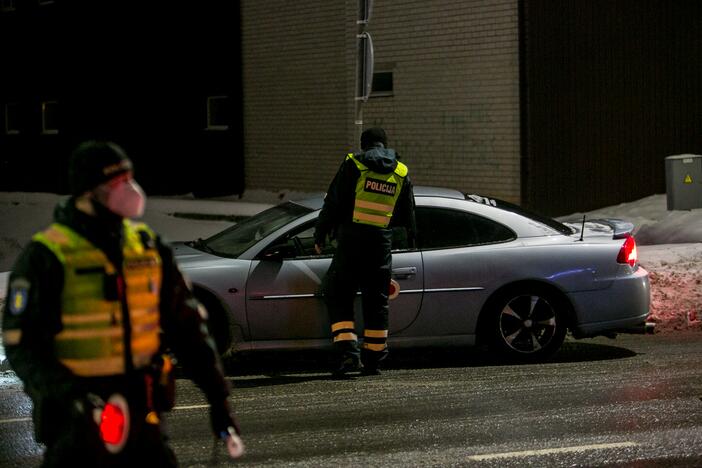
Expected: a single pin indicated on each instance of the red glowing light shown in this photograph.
(628, 253)
(112, 424)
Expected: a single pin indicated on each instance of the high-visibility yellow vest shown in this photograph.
(91, 342)
(377, 194)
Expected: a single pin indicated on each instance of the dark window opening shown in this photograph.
(218, 113)
(382, 84)
(12, 126)
(49, 117)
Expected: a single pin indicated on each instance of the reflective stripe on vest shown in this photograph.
(377, 194)
(91, 342)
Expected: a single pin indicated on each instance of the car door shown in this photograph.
(463, 255)
(284, 301)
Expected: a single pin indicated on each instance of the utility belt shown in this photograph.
(115, 419)
(148, 389)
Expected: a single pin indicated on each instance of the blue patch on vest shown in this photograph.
(18, 300)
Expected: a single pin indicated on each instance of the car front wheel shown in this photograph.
(528, 324)
(218, 322)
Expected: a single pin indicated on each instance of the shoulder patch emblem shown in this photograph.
(17, 299)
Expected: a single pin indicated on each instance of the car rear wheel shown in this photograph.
(528, 324)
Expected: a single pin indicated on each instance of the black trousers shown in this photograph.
(362, 262)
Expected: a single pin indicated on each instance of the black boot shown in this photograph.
(348, 358)
(371, 361)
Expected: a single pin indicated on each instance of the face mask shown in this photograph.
(125, 198)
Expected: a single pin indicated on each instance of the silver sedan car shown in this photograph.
(482, 271)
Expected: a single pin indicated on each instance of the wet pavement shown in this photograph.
(634, 401)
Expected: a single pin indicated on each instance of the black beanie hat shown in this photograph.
(371, 136)
(95, 162)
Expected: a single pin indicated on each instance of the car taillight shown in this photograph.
(628, 254)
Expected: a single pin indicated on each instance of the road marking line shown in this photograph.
(17, 420)
(190, 407)
(531, 453)
(7, 421)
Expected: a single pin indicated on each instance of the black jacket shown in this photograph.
(46, 380)
(339, 200)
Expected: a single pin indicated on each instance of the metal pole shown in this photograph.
(358, 100)
(364, 66)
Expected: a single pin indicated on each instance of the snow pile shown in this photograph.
(675, 272)
(654, 223)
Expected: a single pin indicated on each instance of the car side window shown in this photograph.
(442, 228)
(301, 241)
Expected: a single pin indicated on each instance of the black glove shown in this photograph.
(222, 418)
(84, 405)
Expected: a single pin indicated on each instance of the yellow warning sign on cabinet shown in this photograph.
(688, 179)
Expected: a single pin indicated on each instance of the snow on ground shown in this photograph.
(670, 242)
(675, 271)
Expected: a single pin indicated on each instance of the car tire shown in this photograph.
(218, 322)
(527, 324)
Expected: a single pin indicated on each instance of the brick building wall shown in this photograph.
(295, 100)
(453, 115)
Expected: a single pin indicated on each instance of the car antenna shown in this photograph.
(582, 229)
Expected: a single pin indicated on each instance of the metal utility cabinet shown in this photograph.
(683, 181)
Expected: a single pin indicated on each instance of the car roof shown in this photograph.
(484, 204)
(316, 202)
(442, 192)
(313, 203)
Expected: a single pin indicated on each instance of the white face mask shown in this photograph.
(126, 198)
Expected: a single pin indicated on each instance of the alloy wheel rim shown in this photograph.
(527, 323)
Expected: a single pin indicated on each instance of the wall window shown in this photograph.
(12, 118)
(7, 5)
(382, 83)
(218, 112)
(49, 117)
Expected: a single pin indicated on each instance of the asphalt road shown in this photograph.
(635, 401)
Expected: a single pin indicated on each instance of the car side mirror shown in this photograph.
(279, 252)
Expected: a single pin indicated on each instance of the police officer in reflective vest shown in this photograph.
(369, 196)
(95, 305)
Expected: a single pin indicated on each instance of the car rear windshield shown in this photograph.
(234, 241)
(550, 222)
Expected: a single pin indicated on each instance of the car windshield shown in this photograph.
(234, 241)
(550, 222)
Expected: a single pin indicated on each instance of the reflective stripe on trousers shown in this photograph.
(375, 340)
(344, 331)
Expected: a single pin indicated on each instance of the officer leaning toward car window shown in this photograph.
(370, 194)
(94, 303)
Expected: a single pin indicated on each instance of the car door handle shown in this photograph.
(404, 273)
